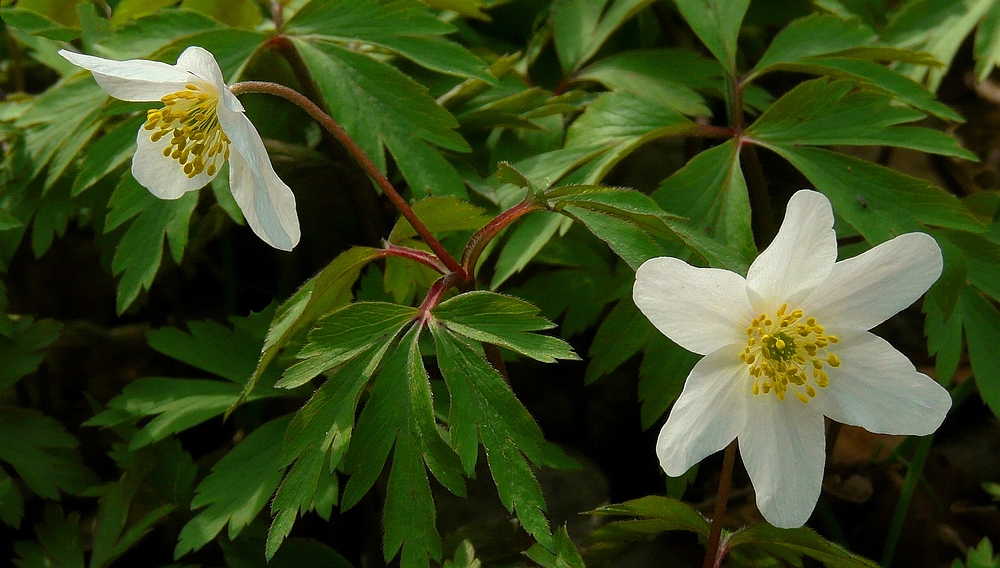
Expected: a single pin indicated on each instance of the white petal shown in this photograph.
(868, 289)
(164, 177)
(700, 309)
(783, 448)
(877, 388)
(200, 62)
(708, 415)
(801, 255)
(267, 203)
(133, 80)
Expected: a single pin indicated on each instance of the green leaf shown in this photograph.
(37, 24)
(403, 27)
(795, 543)
(650, 516)
(720, 205)
(236, 13)
(580, 27)
(665, 366)
(177, 404)
(131, 9)
(621, 335)
(484, 408)
(107, 154)
(344, 334)
(215, 348)
(321, 294)
(617, 123)
(22, 350)
(936, 26)
(296, 493)
(376, 105)
(944, 339)
(524, 242)
(42, 453)
(565, 556)
(717, 25)
(825, 112)
(60, 123)
(239, 487)
(502, 320)
(400, 413)
(980, 556)
(987, 48)
(11, 502)
(130, 507)
(440, 215)
(141, 248)
(877, 76)
(816, 34)
(635, 226)
(981, 321)
(150, 33)
(468, 8)
(666, 76)
(60, 542)
(893, 202)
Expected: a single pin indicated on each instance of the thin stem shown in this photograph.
(420, 256)
(764, 227)
(913, 476)
(736, 101)
(331, 125)
(712, 556)
(434, 295)
(482, 237)
(495, 357)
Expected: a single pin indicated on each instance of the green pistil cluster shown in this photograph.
(197, 141)
(788, 352)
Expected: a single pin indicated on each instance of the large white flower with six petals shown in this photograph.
(787, 345)
(183, 145)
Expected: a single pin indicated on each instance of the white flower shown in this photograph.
(787, 345)
(183, 145)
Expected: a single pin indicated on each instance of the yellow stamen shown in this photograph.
(785, 354)
(197, 142)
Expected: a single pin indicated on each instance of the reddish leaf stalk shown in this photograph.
(434, 295)
(713, 553)
(417, 255)
(477, 244)
(331, 125)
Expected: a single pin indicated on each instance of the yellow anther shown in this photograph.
(784, 355)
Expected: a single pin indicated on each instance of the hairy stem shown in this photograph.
(712, 556)
(420, 256)
(482, 237)
(434, 295)
(372, 223)
(331, 125)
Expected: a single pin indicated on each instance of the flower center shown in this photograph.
(197, 142)
(788, 352)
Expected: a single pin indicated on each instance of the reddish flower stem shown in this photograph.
(713, 555)
(331, 125)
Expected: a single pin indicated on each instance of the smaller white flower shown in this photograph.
(787, 345)
(183, 145)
